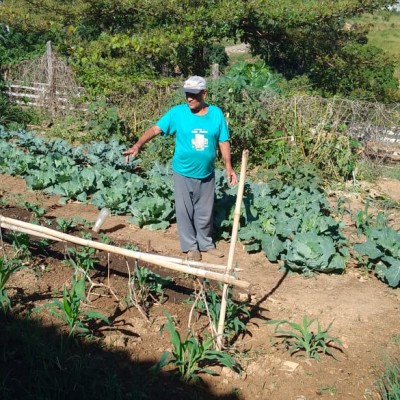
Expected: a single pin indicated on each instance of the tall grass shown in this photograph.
(389, 383)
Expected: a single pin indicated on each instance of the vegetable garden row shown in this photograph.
(292, 222)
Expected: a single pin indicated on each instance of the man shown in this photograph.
(199, 130)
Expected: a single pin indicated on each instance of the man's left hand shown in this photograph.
(232, 177)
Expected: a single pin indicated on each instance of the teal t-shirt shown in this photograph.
(196, 139)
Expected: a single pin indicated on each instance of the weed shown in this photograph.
(82, 221)
(327, 390)
(105, 239)
(69, 309)
(86, 235)
(7, 268)
(65, 225)
(147, 287)
(37, 211)
(131, 246)
(191, 356)
(3, 200)
(302, 339)
(391, 172)
(365, 222)
(84, 258)
(20, 242)
(236, 312)
(389, 382)
(396, 339)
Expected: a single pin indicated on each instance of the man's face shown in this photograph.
(196, 101)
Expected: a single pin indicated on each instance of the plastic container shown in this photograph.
(103, 214)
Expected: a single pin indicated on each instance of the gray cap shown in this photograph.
(194, 84)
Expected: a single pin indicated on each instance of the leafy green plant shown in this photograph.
(190, 356)
(293, 224)
(21, 243)
(7, 268)
(104, 238)
(365, 222)
(69, 310)
(236, 312)
(84, 258)
(382, 252)
(82, 221)
(309, 252)
(302, 339)
(65, 225)
(36, 209)
(148, 287)
(151, 213)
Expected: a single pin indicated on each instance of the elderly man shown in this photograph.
(199, 129)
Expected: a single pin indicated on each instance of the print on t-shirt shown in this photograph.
(199, 142)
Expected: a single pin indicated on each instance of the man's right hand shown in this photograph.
(133, 151)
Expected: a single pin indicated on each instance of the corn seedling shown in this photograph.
(191, 356)
(302, 339)
(7, 268)
(69, 309)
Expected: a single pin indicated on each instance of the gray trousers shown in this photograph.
(194, 203)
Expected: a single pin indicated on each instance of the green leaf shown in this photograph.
(368, 249)
(391, 273)
(272, 247)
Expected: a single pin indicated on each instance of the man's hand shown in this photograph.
(232, 177)
(133, 151)
(148, 135)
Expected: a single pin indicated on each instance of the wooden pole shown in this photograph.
(176, 260)
(229, 267)
(51, 98)
(146, 257)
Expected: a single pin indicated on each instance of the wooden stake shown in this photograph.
(150, 258)
(229, 267)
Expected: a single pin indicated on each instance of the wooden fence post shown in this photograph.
(51, 97)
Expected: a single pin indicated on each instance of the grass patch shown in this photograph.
(389, 382)
(384, 33)
(391, 172)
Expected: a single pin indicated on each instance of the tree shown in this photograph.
(112, 42)
(313, 38)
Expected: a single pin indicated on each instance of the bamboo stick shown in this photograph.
(203, 264)
(235, 228)
(150, 258)
(28, 231)
(176, 260)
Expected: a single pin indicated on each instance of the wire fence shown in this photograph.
(46, 82)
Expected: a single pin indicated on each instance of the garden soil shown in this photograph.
(364, 312)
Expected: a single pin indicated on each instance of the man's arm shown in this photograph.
(226, 156)
(147, 136)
